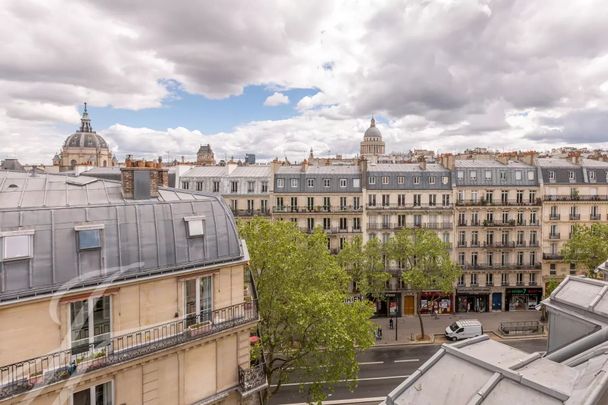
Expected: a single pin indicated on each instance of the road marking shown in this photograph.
(342, 381)
(345, 401)
(369, 363)
(407, 361)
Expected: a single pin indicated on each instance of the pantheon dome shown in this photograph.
(84, 147)
(372, 144)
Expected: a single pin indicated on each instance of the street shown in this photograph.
(382, 369)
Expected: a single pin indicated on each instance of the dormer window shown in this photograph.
(196, 226)
(571, 175)
(444, 179)
(416, 179)
(551, 175)
(17, 245)
(473, 174)
(488, 174)
(460, 174)
(592, 175)
(372, 180)
(280, 183)
(294, 183)
(89, 239)
(432, 180)
(530, 175)
(518, 175)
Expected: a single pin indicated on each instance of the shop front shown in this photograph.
(435, 302)
(522, 299)
(472, 302)
(389, 306)
(496, 301)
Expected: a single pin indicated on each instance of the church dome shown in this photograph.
(85, 140)
(372, 131)
(85, 137)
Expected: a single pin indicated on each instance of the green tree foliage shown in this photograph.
(427, 263)
(365, 266)
(588, 247)
(306, 326)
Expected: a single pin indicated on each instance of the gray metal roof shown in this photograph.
(501, 175)
(483, 371)
(314, 170)
(223, 171)
(139, 237)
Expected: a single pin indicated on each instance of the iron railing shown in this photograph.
(44, 370)
(252, 379)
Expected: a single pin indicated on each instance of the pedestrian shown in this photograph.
(380, 332)
(390, 323)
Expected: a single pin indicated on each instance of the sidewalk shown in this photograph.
(409, 326)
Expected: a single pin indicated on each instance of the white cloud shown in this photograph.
(276, 99)
(445, 74)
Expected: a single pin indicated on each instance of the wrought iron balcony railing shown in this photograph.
(54, 367)
(252, 379)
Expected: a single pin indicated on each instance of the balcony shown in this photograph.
(576, 197)
(595, 217)
(498, 203)
(499, 245)
(575, 217)
(554, 217)
(250, 213)
(415, 207)
(319, 209)
(554, 236)
(252, 379)
(499, 224)
(48, 369)
(552, 256)
(462, 244)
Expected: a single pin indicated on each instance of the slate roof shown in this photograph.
(140, 237)
(222, 171)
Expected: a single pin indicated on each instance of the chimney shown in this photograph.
(575, 157)
(528, 157)
(448, 161)
(304, 165)
(140, 179)
(503, 158)
(231, 166)
(422, 163)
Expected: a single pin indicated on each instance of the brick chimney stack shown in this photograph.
(447, 160)
(422, 163)
(141, 179)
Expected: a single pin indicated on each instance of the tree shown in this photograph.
(588, 247)
(426, 261)
(365, 265)
(306, 325)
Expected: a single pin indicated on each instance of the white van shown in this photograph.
(463, 329)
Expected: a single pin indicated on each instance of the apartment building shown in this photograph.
(498, 234)
(320, 196)
(121, 293)
(407, 195)
(575, 191)
(246, 189)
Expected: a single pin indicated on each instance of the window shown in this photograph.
(461, 280)
(17, 245)
(503, 175)
(294, 183)
(234, 186)
(250, 205)
(504, 197)
(520, 258)
(293, 203)
(250, 186)
(97, 395)
(280, 183)
(216, 186)
(504, 279)
(432, 200)
(386, 200)
(572, 269)
(356, 203)
(264, 187)
(591, 175)
(445, 200)
(571, 175)
(551, 175)
(552, 270)
(195, 226)
(325, 182)
(280, 203)
(489, 279)
(372, 180)
(401, 220)
(461, 258)
(310, 182)
(520, 278)
(488, 174)
(385, 179)
(372, 200)
(489, 196)
(520, 196)
(416, 179)
(234, 204)
(400, 180)
(461, 196)
(356, 223)
(517, 174)
(343, 225)
(343, 203)
(198, 295)
(342, 183)
(199, 186)
(473, 175)
(356, 183)
(530, 175)
(185, 185)
(444, 179)
(90, 323)
(326, 204)
(474, 196)
(264, 206)
(326, 223)
(89, 239)
(460, 175)
(417, 200)
(310, 223)
(310, 203)
(532, 197)
(432, 180)
(473, 278)
(401, 200)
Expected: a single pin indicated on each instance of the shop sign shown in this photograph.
(525, 290)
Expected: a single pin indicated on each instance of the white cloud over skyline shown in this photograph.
(443, 75)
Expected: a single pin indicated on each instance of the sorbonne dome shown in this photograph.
(84, 147)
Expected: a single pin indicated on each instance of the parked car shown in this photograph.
(464, 329)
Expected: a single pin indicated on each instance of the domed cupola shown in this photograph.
(372, 144)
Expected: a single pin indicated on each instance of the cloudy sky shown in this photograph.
(279, 78)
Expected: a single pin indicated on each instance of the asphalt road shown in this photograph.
(381, 370)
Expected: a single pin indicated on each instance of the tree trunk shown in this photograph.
(421, 324)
